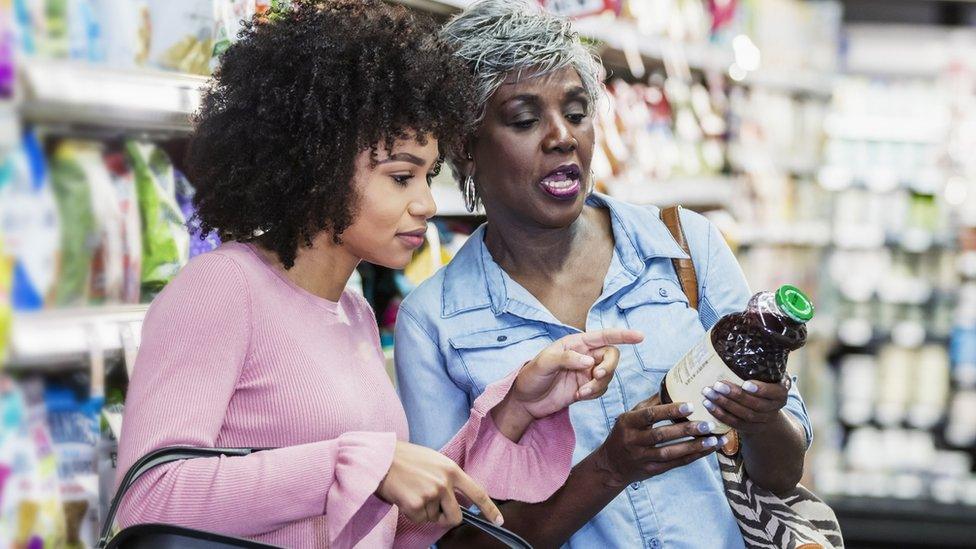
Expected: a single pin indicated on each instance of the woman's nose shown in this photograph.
(423, 205)
(560, 138)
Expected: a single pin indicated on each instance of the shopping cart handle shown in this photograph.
(169, 455)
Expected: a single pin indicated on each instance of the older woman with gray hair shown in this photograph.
(555, 258)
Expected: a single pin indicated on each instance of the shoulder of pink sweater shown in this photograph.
(211, 289)
(215, 271)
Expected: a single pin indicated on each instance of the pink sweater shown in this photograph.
(235, 355)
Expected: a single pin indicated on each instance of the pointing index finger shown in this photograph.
(612, 336)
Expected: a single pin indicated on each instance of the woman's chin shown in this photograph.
(396, 261)
(559, 215)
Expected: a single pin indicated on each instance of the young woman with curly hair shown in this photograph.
(312, 152)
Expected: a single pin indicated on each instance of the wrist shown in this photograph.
(770, 430)
(511, 418)
(601, 466)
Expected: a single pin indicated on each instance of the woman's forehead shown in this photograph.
(407, 149)
(533, 82)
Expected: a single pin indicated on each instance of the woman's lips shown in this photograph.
(413, 239)
(561, 187)
(562, 183)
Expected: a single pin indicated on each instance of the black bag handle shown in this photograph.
(177, 453)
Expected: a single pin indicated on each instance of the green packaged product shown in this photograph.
(165, 240)
(79, 230)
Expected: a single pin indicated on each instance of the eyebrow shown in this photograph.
(577, 91)
(574, 93)
(404, 157)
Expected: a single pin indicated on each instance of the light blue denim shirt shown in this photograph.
(471, 324)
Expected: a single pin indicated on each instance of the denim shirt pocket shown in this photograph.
(490, 355)
(659, 308)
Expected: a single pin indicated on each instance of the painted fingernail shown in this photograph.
(750, 387)
(709, 442)
(723, 441)
(686, 408)
(705, 427)
(708, 404)
(707, 391)
(499, 520)
(722, 388)
(585, 391)
(587, 360)
(600, 372)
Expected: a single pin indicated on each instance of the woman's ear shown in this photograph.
(465, 159)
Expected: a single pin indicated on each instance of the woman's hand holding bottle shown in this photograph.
(643, 442)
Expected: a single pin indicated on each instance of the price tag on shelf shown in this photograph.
(96, 357)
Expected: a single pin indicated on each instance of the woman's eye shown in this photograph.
(524, 124)
(402, 179)
(576, 117)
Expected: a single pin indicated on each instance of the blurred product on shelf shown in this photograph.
(73, 422)
(180, 35)
(94, 223)
(7, 47)
(31, 224)
(51, 450)
(6, 290)
(31, 510)
(165, 241)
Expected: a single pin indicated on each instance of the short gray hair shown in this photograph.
(498, 37)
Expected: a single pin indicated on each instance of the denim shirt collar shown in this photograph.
(472, 280)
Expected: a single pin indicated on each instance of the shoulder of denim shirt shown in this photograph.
(459, 286)
(648, 234)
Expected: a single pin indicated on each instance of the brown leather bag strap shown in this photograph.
(685, 268)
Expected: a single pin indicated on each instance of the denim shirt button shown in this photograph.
(635, 486)
(502, 338)
(655, 543)
(663, 292)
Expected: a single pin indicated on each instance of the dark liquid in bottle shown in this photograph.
(755, 343)
(756, 346)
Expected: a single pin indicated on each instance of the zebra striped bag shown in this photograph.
(800, 520)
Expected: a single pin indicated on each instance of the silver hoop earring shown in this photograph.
(470, 196)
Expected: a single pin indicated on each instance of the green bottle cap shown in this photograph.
(794, 303)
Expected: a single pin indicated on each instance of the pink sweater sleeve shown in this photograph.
(530, 470)
(195, 345)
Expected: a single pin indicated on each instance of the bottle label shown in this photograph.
(700, 367)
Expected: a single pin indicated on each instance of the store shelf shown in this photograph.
(810, 233)
(885, 129)
(904, 523)
(441, 7)
(803, 82)
(688, 192)
(622, 36)
(77, 94)
(55, 339)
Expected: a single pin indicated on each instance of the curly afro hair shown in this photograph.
(298, 97)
